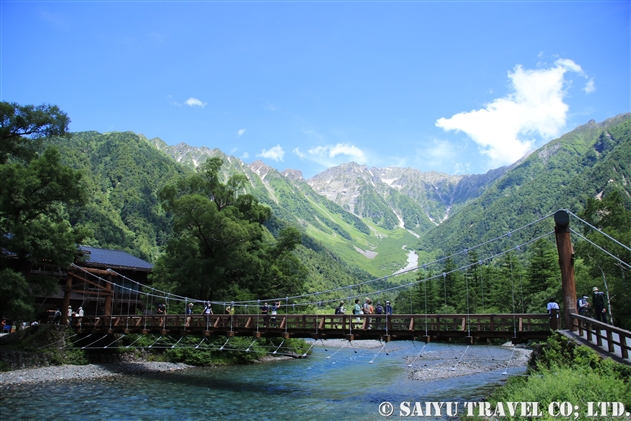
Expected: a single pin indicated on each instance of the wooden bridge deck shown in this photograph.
(431, 327)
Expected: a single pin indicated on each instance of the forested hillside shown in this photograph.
(124, 173)
(278, 235)
(586, 162)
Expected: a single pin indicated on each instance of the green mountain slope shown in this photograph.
(583, 163)
(124, 172)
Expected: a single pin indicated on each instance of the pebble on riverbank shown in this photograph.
(433, 366)
(84, 372)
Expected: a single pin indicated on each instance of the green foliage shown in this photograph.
(563, 371)
(220, 250)
(21, 126)
(611, 217)
(38, 199)
(123, 174)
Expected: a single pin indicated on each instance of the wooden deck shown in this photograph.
(432, 327)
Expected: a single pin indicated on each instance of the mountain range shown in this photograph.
(365, 220)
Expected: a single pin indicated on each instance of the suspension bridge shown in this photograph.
(123, 306)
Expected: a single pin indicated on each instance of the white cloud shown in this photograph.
(300, 154)
(589, 86)
(505, 128)
(240, 132)
(245, 155)
(332, 155)
(194, 102)
(276, 153)
(332, 151)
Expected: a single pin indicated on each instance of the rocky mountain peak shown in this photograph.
(294, 175)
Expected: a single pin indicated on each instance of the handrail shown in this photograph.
(367, 326)
(593, 328)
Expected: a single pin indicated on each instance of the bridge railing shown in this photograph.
(304, 325)
(613, 336)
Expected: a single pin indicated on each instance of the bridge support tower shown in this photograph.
(566, 263)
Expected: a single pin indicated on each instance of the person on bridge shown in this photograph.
(275, 308)
(207, 311)
(162, 311)
(368, 309)
(265, 312)
(79, 315)
(378, 310)
(552, 305)
(388, 308)
(583, 306)
(340, 308)
(189, 314)
(57, 317)
(598, 298)
(357, 310)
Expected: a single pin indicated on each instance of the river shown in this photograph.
(332, 384)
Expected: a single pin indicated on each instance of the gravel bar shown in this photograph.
(84, 372)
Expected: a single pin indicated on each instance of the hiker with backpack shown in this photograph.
(340, 309)
(598, 298)
(378, 310)
(57, 317)
(583, 306)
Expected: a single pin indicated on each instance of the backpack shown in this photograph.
(338, 310)
(379, 309)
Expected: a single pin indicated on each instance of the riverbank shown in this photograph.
(433, 366)
(85, 372)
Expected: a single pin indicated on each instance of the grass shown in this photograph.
(566, 372)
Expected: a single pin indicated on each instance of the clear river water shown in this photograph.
(331, 384)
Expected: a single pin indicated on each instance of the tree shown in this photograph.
(22, 126)
(38, 196)
(608, 270)
(220, 249)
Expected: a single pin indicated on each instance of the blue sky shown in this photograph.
(454, 87)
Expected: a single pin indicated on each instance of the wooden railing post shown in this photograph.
(554, 319)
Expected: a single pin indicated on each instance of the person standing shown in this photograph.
(207, 311)
(553, 311)
(378, 310)
(275, 308)
(552, 305)
(388, 308)
(69, 314)
(189, 315)
(57, 317)
(598, 300)
(583, 306)
(79, 315)
(265, 312)
(340, 308)
(357, 310)
(162, 310)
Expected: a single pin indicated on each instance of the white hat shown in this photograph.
(595, 288)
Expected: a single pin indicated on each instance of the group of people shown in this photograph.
(584, 307)
(77, 315)
(366, 308)
(270, 313)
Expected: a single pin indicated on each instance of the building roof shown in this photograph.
(96, 257)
